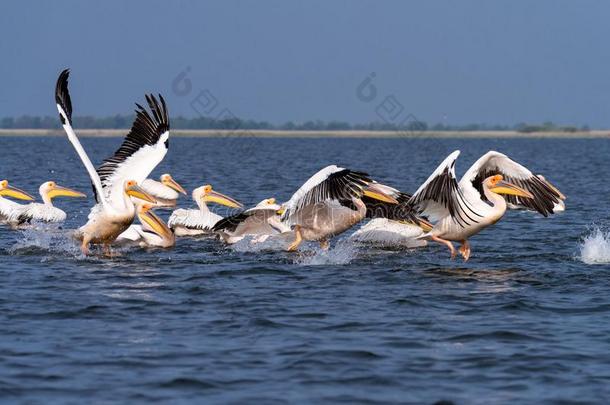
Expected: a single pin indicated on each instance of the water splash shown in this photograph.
(342, 253)
(595, 247)
(47, 238)
(252, 244)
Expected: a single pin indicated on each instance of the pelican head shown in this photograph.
(497, 184)
(50, 190)
(153, 223)
(206, 194)
(268, 203)
(9, 191)
(167, 180)
(132, 189)
(377, 191)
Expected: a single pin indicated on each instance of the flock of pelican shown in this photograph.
(329, 203)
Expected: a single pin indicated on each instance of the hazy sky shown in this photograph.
(443, 61)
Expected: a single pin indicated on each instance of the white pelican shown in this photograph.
(44, 212)
(152, 232)
(460, 210)
(116, 180)
(166, 191)
(392, 224)
(262, 221)
(189, 222)
(8, 207)
(330, 203)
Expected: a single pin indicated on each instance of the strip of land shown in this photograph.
(204, 133)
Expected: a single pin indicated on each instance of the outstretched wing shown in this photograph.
(441, 196)
(230, 224)
(64, 106)
(403, 211)
(330, 183)
(546, 196)
(142, 150)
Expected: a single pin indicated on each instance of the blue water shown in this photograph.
(524, 321)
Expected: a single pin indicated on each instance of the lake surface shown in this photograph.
(524, 321)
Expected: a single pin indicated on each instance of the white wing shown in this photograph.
(547, 198)
(38, 212)
(64, 106)
(440, 196)
(131, 234)
(385, 232)
(193, 219)
(142, 150)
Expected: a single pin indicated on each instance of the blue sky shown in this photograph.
(443, 61)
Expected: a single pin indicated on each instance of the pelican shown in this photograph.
(115, 182)
(392, 224)
(263, 220)
(44, 212)
(152, 232)
(166, 191)
(8, 207)
(189, 222)
(460, 210)
(329, 203)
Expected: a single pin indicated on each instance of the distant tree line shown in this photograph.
(124, 121)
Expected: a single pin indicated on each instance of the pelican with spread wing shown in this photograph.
(480, 199)
(262, 221)
(166, 191)
(329, 203)
(45, 212)
(191, 222)
(116, 181)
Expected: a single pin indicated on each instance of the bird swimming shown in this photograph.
(45, 211)
(166, 191)
(190, 222)
(396, 225)
(152, 231)
(8, 207)
(480, 199)
(262, 221)
(115, 182)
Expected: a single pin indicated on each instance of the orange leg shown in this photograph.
(84, 247)
(446, 243)
(297, 239)
(465, 250)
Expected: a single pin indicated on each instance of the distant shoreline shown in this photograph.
(212, 133)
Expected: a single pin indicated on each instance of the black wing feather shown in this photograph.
(62, 95)
(230, 224)
(342, 185)
(545, 194)
(444, 189)
(145, 130)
